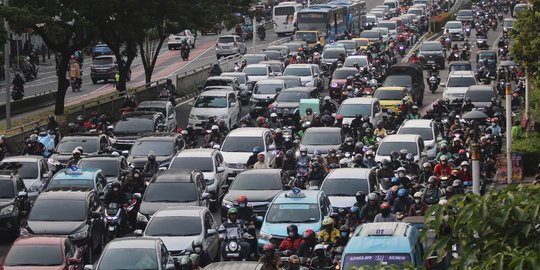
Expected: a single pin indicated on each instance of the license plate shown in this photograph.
(226, 47)
(233, 254)
(111, 228)
(431, 62)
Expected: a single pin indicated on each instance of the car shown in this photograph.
(306, 74)
(164, 107)
(233, 265)
(264, 93)
(277, 66)
(274, 55)
(418, 11)
(309, 36)
(392, 97)
(481, 95)
(105, 67)
(455, 28)
(294, 46)
(291, 81)
(75, 177)
(425, 128)
(379, 13)
(245, 88)
(14, 204)
(230, 45)
(365, 106)
(393, 5)
(221, 81)
(392, 28)
(330, 55)
(341, 185)
(216, 29)
(259, 186)
(134, 253)
(370, 20)
(288, 101)
(373, 36)
(508, 24)
(486, 55)
(43, 252)
(322, 139)
(132, 125)
(304, 208)
(457, 84)
(459, 65)
(222, 105)
(257, 72)
(101, 49)
(35, 171)
(339, 80)
(163, 145)
(239, 144)
(92, 144)
(413, 143)
(410, 76)
(75, 213)
(175, 40)
(465, 15)
(173, 188)
(282, 48)
(385, 33)
(212, 165)
(197, 223)
(114, 167)
(350, 45)
(361, 60)
(254, 58)
(431, 53)
(361, 43)
(519, 8)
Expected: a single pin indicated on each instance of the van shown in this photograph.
(392, 27)
(394, 7)
(366, 106)
(416, 78)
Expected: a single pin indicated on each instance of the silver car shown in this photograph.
(230, 45)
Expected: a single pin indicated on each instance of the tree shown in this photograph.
(499, 230)
(525, 48)
(64, 25)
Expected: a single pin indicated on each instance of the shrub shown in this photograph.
(530, 150)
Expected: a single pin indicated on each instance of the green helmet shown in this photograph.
(232, 211)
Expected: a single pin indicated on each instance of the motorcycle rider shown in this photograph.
(442, 168)
(411, 167)
(394, 160)
(18, 83)
(316, 174)
(274, 122)
(360, 199)
(75, 72)
(401, 177)
(308, 117)
(307, 246)
(151, 166)
(214, 136)
(129, 104)
(75, 158)
(52, 124)
(270, 260)
(385, 215)
(195, 262)
(426, 173)
(261, 162)
(358, 162)
(328, 233)
(293, 240)
(234, 228)
(402, 203)
(289, 163)
(380, 131)
(216, 70)
(418, 208)
(332, 159)
(369, 138)
(414, 114)
(204, 257)
(467, 105)
(432, 194)
(385, 171)
(443, 152)
(293, 263)
(328, 105)
(245, 213)
(261, 31)
(116, 195)
(369, 161)
(222, 128)
(321, 261)
(347, 146)
(371, 209)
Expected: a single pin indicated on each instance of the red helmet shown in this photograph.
(494, 120)
(515, 94)
(462, 151)
(309, 233)
(242, 199)
(385, 205)
(339, 117)
(268, 247)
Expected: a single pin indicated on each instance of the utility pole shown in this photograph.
(509, 134)
(527, 107)
(476, 166)
(7, 70)
(254, 32)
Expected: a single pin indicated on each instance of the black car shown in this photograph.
(165, 146)
(259, 186)
(288, 101)
(132, 125)
(407, 75)
(74, 212)
(13, 202)
(114, 167)
(431, 53)
(92, 144)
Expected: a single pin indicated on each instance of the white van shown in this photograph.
(392, 27)
(370, 107)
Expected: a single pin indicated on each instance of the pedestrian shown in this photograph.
(517, 132)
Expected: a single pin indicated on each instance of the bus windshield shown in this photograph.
(313, 21)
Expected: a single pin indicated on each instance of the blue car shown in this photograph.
(305, 208)
(75, 177)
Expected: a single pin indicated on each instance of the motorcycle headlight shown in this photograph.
(333, 85)
(264, 235)
(233, 246)
(7, 210)
(227, 204)
(79, 235)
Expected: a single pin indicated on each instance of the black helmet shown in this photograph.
(116, 184)
(292, 228)
(360, 195)
(289, 154)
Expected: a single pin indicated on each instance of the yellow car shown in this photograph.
(391, 97)
(362, 43)
(309, 36)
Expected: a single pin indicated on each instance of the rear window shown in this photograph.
(465, 13)
(34, 256)
(480, 96)
(369, 34)
(460, 82)
(103, 61)
(389, 25)
(225, 39)
(431, 47)
(343, 73)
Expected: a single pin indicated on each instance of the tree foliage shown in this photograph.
(499, 230)
(525, 48)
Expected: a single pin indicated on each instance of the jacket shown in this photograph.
(325, 236)
(290, 244)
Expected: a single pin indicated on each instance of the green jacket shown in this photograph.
(369, 212)
(516, 132)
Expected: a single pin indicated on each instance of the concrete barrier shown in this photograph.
(27, 104)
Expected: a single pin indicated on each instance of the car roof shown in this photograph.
(401, 238)
(261, 171)
(270, 81)
(311, 196)
(257, 65)
(347, 69)
(481, 87)
(391, 88)
(401, 138)
(180, 211)
(323, 129)
(134, 242)
(226, 74)
(299, 66)
(173, 176)
(349, 173)
(40, 240)
(159, 136)
(225, 78)
(86, 173)
(148, 115)
(22, 159)
(431, 42)
(259, 55)
(359, 100)
(461, 73)
(103, 157)
(418, 123)
(197, 152)
(64, 194)
(153, 103)
(247, 131)
(358, 56)
(298, 89)
(232, 265)
(218, 93)
(287, 77)
(228, 36)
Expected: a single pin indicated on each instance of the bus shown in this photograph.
(354, 11)
(284, 17)
(330, 22)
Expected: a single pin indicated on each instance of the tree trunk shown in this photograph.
(149, 67)
(63, 84)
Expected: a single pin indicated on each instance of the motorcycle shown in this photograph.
(113, 216)
(17, 93)
(166, 95)
(433, 83)
(261, 34)
(184, 53)
(454, 56)
(464, 55)
(402, 49)
(232, 249)
(75, 85)
(468, 31)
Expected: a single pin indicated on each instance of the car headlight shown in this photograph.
(209, 181)
(79, 235)
(192, 117)
(264, 235)
(7, 210)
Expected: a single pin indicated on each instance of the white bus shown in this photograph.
(284, 17)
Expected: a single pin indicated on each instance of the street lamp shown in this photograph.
(475, 118)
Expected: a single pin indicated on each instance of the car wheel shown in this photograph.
(170, 48)
(94, 81)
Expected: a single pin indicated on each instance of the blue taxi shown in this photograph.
(75, 177)
(389, 243)
(305, 208)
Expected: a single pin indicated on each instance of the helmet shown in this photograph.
(456, 183)
(418, 194)
(414, 107)
(462, 151)
(151, 156)
(373, 197)
(319, 247)
(354, 209)
(327, 98)
(368, 130)
(403, 152)
(232, 211)
(394, 154)
(349, 139)
(328, 221)
(116, 184)
(370, 153)
(309, 233)
(402, 192)
(432, 179)
(316, 165)
(184, 132)
(294, 259)
(303, 149)
(317, 152)
(464, 163)
(410, 157)
(273, 114)
(443, 158)
(194, 257)
(426, 165)
(289, 153)
(339, 117)
(269, 247)
(34, 137)
(385, 205)
(215, 127)
(80, 118)
(401, 169)
(242, 199)
(292, 228)
(360, 194)
(358, 157)
(257, 149)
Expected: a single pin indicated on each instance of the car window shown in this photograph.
(208, 221)
(43, 168)
(164, 256)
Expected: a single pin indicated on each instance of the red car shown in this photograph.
(339, 80)
(43, 253)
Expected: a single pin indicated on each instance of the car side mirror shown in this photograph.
(259, 219)
(211, 232)
(22, 194)
(96, 215)
(162, 168)
(220, 169)
(73, 261)
(88, 267)
(225, 187)
(205, 195)
(138, 232)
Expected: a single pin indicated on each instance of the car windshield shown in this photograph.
(152, 109)
(256, 182)
(160, 148)
(460, 67)
(306, 36)
(417, 12)
(240, 78)
(342, 73)
(387, 147)
(426, 133)
(349, 62)
(241, 144)
(266, 88)
(58, 210)
(211, 102)
(292, 82)
(170, 192)
(332, 54)
(203, 164)
(225, 39)
(71, 183)
(314, 137)
(217, 83)
(273, 55)
(253, 59)
(174, 226)
(293, 213)
(362, 42)
(480, 96)
(460, 82)
(465, 13)
(369, 34)
(398, 80)
(354, 261)
(453, 25)
(34, 255)
(6, 190)
(133, 125)
(349, 45)
(431, 47)
(508, 23)
(300, 72)
(67, 145)
(292, 96)
(129, 258)
(351, 110)
(109, 167)
(389, 94)
(27, 170)
(389, 25)
(383, 31)
(103, 61)
(344, 186)
(256, 71)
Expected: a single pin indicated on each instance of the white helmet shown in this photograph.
(418, 194)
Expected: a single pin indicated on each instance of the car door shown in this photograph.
(234, 110)
(210, 242)
(171, 118)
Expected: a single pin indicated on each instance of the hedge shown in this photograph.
(530, 150)
(440, 20)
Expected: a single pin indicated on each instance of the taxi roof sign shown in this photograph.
(295, 193)
(381, 231)
(74, 170)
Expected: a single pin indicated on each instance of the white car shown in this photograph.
(341, 185)
(455, 28)
(457, 84)
(426, 129)
(175, 40)
(413, 143)
(362, 61)
(221, 104)
(257, 72)
(385, 33)
(370, 107)
(304, 71)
